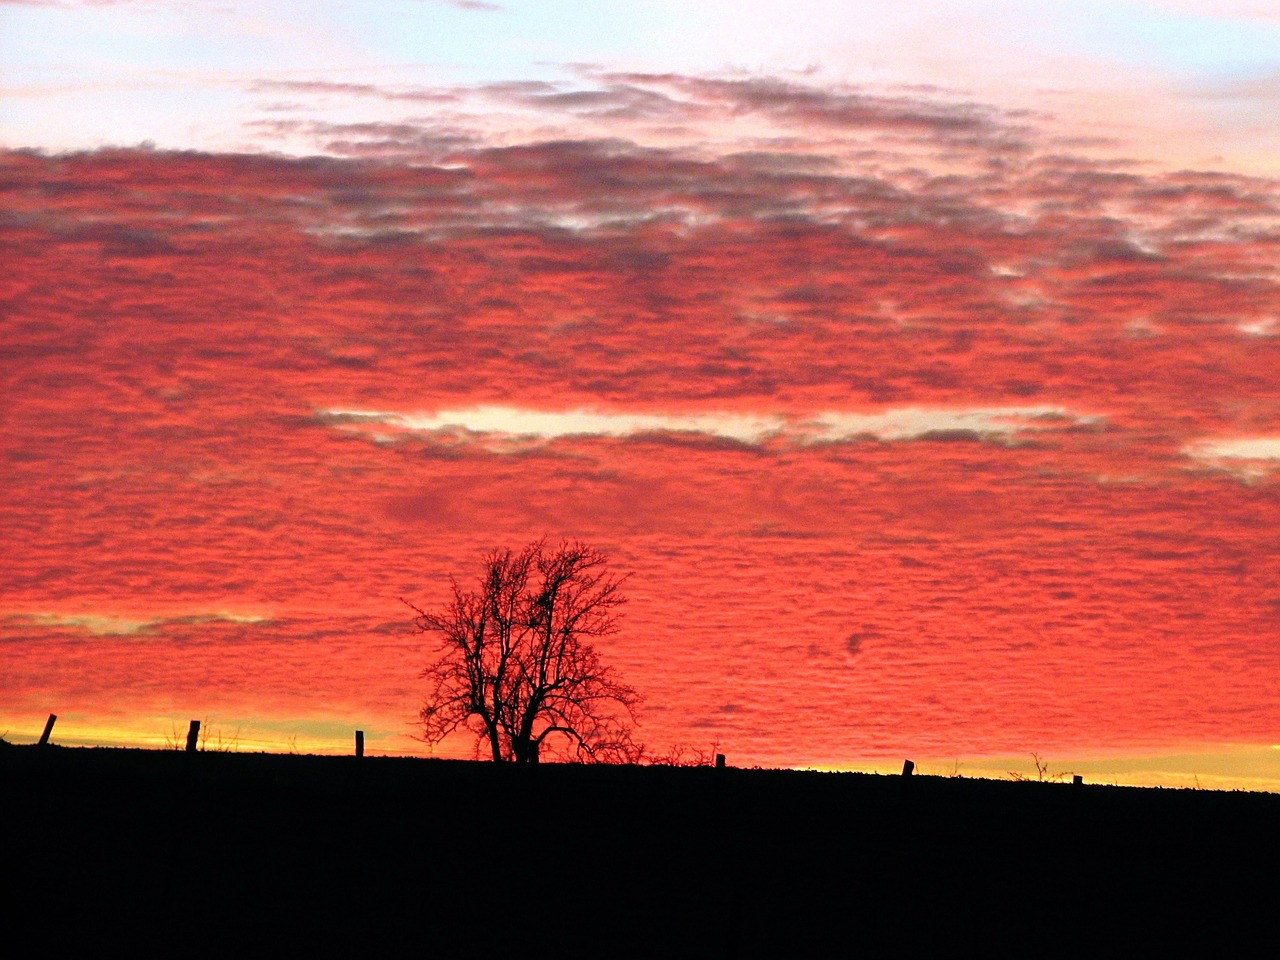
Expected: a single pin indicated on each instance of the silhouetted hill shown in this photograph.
(250, 852)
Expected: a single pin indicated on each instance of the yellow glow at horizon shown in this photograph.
(1243, 768)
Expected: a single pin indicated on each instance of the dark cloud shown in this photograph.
(815, 108)
(614, 101)
(637, 102)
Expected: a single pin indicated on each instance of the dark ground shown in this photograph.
(205, 853)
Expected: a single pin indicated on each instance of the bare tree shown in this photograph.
(517, 666)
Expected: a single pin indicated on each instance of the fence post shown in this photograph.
(359, 743)
(719, 761)
(193, 736)
(1076, 780)
(48, 729)
(908, 767)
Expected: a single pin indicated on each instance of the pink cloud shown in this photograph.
(177, 321)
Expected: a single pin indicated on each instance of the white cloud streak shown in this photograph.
(1249, 458)
(1001, 424)
(116, 626)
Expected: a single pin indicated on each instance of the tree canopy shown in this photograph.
(517, 668)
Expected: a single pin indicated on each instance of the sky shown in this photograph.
(917, 367)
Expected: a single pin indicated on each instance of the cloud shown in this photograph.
(637, 100)
(1258, 328)
(515, 424)
(539, 425)
(729, 336)
(999, 423)
(118, 626)
(692, 111)
(612, 101)
(850, 108)
(416, 95)
(1249, 458)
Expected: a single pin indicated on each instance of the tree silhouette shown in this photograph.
(516, 666)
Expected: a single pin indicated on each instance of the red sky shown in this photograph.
(917, 431)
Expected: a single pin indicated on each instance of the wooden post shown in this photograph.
(193, 736)
(908, 767)
(1076, 780)
(359, 743)
(719, 761)
(48, 729)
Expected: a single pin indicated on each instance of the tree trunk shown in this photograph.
(495, 741)
(525, 750)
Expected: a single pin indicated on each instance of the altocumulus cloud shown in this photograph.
(804, 289)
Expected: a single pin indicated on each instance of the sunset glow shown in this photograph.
(920, 371)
